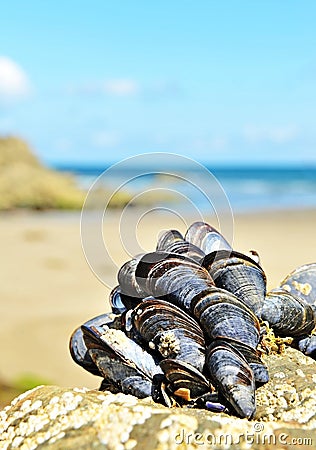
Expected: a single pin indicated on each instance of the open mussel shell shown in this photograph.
(119, 376)
(170, 331)
(302, 282)
(288, 314)
(121, 361)
(232, 375)
(125, 349)
(173, 277)
(222, 314)
(206, 237)
(185, 380)
(77, 346)
(240, 275)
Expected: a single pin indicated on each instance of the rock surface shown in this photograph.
(57, 418)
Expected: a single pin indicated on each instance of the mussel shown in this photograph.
(170, 331)
(239, 274)
(128, 283)
(122, 362)
(302, 283)
(287, 314)
(291, 308)
(172, 277)
(232, 376)
(178, 339)
(77, 346)
(206, 237)
(171, 241)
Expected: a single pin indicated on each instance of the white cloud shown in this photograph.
(14, 83)
(277, 135)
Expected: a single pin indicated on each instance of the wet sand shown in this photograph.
(47, 287)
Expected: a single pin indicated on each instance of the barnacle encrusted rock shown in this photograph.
(59, 418)
(290, 395)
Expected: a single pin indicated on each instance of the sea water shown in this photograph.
(246, 189)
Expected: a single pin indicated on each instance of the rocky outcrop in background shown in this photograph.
(57, 418)
(26, 183)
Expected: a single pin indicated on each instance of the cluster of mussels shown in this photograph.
(184, 326)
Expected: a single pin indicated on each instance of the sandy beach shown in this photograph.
(47, 288)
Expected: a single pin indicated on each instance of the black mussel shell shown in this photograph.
(288, 314)
(206, 237)
(170, 331)
(240, 275)
(183, 376)
(232, 376)
(302, 283)
(77, 345)
(168, 238)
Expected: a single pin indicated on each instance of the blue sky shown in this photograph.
(224, 82)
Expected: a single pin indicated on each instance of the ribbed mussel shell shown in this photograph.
(206, 237)
(302, 283)
(170, 331)
(288, 314)
(252, 356)
(239, 274)
(222, 314)
(178, 338)
(127, 280)
(185, 377)
(232, 376)
(173, 242)
(172, 277)
(168, 238)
